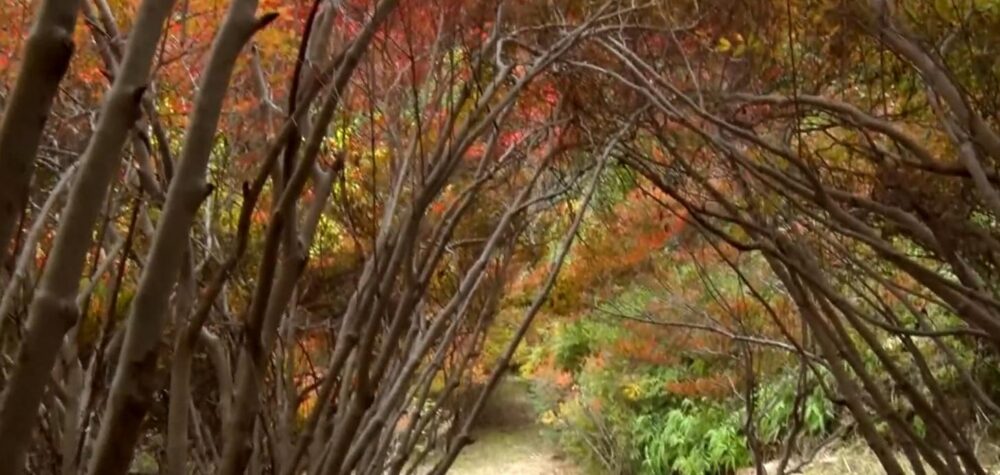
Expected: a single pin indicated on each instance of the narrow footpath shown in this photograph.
(509, 439)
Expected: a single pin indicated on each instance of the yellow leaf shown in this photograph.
(549, 418)
(724, 45)
(632, 391)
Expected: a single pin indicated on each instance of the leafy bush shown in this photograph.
(597, 435)
(631, 398)
(692, 439)
(776, 402)
(619, 417)
(574, 344)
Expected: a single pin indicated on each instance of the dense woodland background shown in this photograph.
(312, 236)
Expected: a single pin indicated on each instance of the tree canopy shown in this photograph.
(264, 236)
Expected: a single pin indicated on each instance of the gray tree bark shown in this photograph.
(46, 59)
(135, 376)
(53, 310)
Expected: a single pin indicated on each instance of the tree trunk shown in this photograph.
(53, 310)
(135, 376)
(18, 279)
(46, 59)
(239, 428)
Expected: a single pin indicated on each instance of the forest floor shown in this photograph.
(509, 439)
(852, 457)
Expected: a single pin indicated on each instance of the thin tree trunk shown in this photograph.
(71, 416)
(245, 406)
(29, 247)
(180, 395)
(462, 438)
(46, 60)
(53, 310)
(135, 376)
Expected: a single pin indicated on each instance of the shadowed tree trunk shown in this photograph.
(46, 59)
(346, 271)
(53, 310)
(136, 375)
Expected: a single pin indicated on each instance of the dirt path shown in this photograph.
(515, 452)
(509, 440)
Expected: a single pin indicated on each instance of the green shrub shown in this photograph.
(775, 403)
(616, 413)
(692, 439)
(620, 420)
(572, 345)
